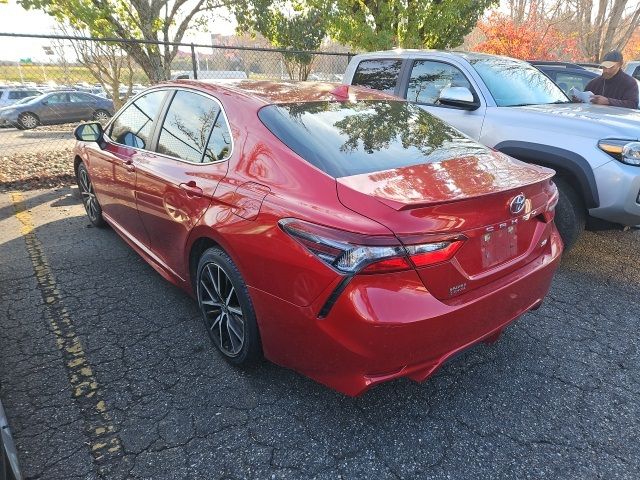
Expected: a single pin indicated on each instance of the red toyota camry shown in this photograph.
(335, 230)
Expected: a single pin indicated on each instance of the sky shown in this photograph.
(15, 19)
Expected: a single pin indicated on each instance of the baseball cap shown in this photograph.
(611, 58)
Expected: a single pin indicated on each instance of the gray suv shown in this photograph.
(514, 108)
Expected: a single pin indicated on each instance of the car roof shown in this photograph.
(263, 92)
(411, 53)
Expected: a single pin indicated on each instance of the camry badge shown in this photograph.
(517, 204)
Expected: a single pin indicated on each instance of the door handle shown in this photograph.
(128, 165)
(191, 189)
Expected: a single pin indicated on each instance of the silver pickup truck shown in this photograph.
(512, 107)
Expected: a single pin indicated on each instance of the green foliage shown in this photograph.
(384, 24)
(301, 29)
(157, 20)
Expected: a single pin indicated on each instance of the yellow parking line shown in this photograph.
(102, 437)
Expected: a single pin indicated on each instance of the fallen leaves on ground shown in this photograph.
(28, 171)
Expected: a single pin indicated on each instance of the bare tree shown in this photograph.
(108, 63)
(605, 25)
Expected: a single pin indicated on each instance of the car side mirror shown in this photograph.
(45, 102)
(89, 132)
(460, 97)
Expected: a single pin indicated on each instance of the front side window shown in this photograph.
(514, 83)
(429, 78)
(352, 138)
(134, 125)
(187, 129)
(378, 74)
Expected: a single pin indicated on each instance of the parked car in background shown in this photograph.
(511, 106)
(566, 75)
(9, 468)
(351, 237)
(9, 96)
(633, 69)
(57, 107)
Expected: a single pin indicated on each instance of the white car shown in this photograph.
(512, 107)
(9, 96)
(633, 69)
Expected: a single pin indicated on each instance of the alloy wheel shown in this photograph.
(29, 121)
(101, 116)
(221, 309)
(88, 195)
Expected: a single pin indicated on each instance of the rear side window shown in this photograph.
(378, 74)
(351, 138)
(134, 125)
(636, 73)
(188, 131)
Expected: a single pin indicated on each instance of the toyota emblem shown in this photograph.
(517, 204)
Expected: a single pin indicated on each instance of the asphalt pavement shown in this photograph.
(107, 372)
(14, 141)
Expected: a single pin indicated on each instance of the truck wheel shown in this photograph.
(570, 213)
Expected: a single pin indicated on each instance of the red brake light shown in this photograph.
(348, 252)
(432, 253)
(387, 265)
(352, 253)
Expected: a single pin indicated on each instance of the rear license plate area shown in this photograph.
(499, 246)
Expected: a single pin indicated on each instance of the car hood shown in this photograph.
(593, 121)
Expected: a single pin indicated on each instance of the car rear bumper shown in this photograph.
(619, 192)
(388, 326)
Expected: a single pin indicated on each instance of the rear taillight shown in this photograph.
(550, 212)
(432, 253)
(351, 253)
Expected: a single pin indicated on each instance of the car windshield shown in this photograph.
(351, 138)
(513, 83)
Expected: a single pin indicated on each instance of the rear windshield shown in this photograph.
(351, 138)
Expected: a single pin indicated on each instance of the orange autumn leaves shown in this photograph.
(533, 39)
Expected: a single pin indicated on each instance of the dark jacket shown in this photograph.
(621, 90)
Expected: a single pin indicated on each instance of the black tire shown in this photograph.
(570, 213)
(28, 120)
(101, 116)
(214, 266)
(89, 199)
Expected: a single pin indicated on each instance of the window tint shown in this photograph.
(429, 78)
(351, 138)
(219, 146)
(57, 98)
(186, 128)
(134, 125)
(79, 97)
(568, 80)
(636, 73)
(13, 95)
(378, 74)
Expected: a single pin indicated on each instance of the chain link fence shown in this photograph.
(74, 79)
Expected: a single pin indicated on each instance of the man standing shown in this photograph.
(613, 87)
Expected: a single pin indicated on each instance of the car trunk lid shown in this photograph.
(496, 204)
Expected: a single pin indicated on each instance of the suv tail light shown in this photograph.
(352, 253)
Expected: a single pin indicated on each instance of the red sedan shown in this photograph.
(337, 231)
